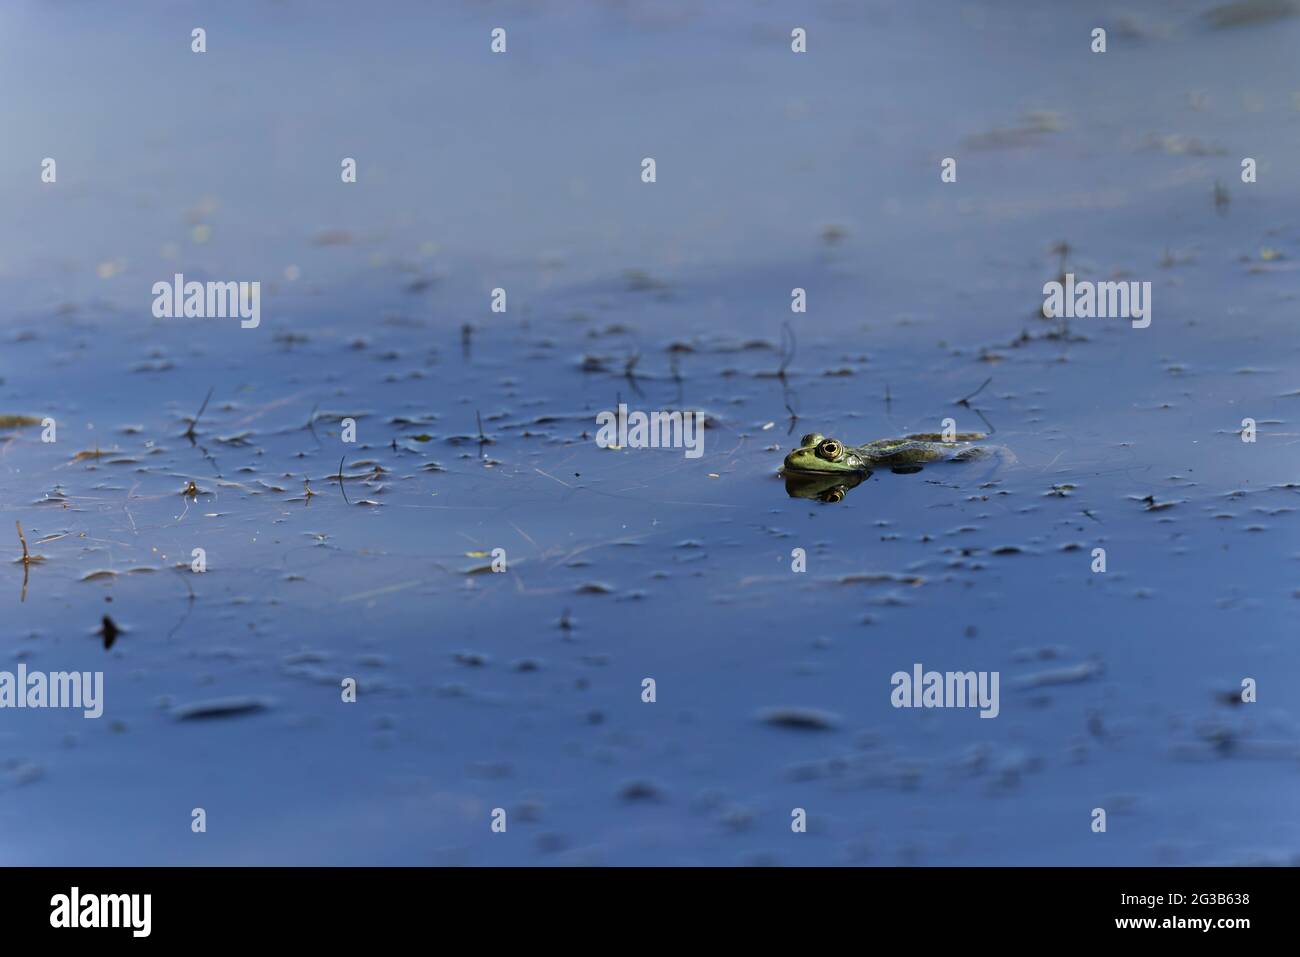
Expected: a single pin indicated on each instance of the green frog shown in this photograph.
(818, 455)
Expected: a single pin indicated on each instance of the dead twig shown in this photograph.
(966, 401)
(340, 478)
(483, 440)
(787, 352)
(189, 432)
(27, 558)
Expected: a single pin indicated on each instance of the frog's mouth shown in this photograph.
(792, 465)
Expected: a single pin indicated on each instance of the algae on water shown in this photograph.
(17, 421)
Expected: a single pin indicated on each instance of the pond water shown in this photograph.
(475, 431)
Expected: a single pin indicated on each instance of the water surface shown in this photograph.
(522, 690)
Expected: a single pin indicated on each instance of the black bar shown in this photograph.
(337, 905)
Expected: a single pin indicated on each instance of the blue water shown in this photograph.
(522, 690)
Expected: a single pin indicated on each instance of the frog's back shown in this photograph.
(908, 451)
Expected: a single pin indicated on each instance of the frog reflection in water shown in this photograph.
(827, 469)
(822, 488)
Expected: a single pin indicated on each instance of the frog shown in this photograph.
(819, 455)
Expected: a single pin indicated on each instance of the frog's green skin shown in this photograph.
(818, 455)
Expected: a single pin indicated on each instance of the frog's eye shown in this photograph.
(830, 450)
(811, 439)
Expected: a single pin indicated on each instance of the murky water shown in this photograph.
(475, 431)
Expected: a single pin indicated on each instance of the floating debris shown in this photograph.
(108, 630)
(637, 280)
(17, 421)
(1246, 12)
(27, 557)
(1031, 130)
(641, 790)
(873, 578)
(25, 772)
(333, 237)
(801, 719)
(1060, 676)
(1152, 505)
(1008, 550)
(833, 233)
(220, 708)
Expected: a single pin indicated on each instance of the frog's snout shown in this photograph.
(795, 461)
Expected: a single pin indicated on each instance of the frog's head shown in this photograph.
(821, 456)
